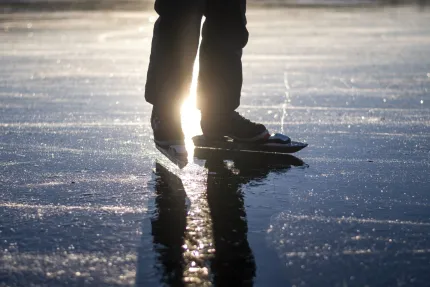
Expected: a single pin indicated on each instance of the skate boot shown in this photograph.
(233, 125)
(167, 129)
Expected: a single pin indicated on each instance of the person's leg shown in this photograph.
(220, 77)
(174, 47)
(224, 37)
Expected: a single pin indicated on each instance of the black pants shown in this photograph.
(174, 48)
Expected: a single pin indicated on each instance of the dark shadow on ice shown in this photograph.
(232, 263)
(168, 225)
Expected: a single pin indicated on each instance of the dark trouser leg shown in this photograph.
(174, 47)
(224, 37)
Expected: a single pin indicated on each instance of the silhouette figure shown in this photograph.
(174, 48)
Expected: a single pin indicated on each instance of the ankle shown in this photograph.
(215, 115)
(166, 112)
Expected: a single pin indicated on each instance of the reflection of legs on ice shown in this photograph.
(168, 226)
(213, 215)
(234, 263)
(173, 227)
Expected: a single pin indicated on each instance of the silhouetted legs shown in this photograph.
(174, 48)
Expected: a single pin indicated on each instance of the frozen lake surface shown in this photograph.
(86, 198)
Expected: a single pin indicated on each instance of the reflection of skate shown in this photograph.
(175, 153)
(268, 161)
(170, 180)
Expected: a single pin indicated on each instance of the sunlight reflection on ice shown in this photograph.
(67, 208)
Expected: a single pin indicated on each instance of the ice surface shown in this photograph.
(80, 201)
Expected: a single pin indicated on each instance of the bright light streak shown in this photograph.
(190, 115)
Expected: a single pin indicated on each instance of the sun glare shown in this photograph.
(190, 115)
